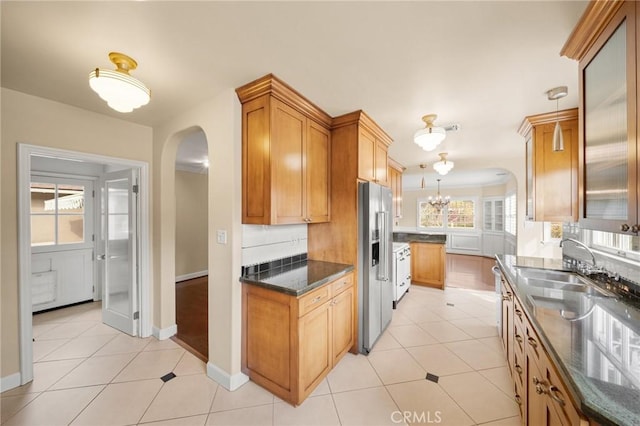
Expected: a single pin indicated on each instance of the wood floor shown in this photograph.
(191, 316)
(468, 272)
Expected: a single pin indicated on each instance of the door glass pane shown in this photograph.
(117, 257)
(43, 198)
(70, 229)
(43, 230)
(70, 199)
(606, 146)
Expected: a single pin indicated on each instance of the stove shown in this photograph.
(401, 271)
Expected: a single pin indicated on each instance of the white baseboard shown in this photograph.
(229, 382)
(165, 333)
(9, 382)
(192, 276)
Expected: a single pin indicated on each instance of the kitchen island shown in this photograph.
(298, 321)
(428, 257)
(573, 347)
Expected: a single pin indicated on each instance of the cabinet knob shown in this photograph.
(532, 342)
(624, 227)
(518, 368)
(518, 399)
(540, 390)
(635, 228)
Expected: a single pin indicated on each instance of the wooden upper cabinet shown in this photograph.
(395, 171)
(552, 176)
(372, 145)
(605, 42)
(286, 154)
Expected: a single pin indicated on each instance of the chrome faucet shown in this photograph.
(584, 246)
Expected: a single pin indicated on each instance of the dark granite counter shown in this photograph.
(298, 278)
(593, 341)
(419, 237)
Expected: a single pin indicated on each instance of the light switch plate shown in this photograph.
(221, 236)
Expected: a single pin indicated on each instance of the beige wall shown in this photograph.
(191, 222)
(219, 119)
(38, 121)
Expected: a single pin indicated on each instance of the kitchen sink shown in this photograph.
(578, 287)
(544, 274)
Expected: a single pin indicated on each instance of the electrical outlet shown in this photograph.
(221, 236)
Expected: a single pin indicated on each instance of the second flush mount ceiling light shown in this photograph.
(121, 91)
(443, 166)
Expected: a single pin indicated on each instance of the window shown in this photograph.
(511, 214)
(57, 213)
(622, 245)
(459, 214)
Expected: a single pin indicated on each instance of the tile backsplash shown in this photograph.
(263, 243)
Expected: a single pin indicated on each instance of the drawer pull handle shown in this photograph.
(532, 342)
(553, 391)
(519, 338)
(518, 399)
(518, 369)
(519, 313)
(540, 390)
(316, 299)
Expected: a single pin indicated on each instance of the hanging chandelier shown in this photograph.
(443, 166)
(430, 136)
(122, 92)
(439, 202)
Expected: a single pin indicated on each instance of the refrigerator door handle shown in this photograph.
(383, 268)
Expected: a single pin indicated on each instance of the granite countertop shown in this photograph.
(418, 237)
(593, 341)
(298, 278)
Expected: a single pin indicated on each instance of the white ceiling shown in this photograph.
(484, 65)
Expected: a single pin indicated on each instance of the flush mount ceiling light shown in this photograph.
(431, 136)
(443, 166)
(554, 95)
(439, 202)
(122, 92)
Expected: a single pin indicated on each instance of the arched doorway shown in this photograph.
(191, 242)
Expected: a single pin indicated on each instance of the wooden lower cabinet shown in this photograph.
(428, 264)
(542, 397)
(289, 344)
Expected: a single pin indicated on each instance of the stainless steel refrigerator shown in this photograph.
(375, 253)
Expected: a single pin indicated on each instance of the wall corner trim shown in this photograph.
(165, 333)
(229, 382)
(9, 382)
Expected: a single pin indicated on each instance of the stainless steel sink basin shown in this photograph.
(578, 287)
(544, 274)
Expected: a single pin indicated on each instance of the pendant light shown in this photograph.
(121, 91)
(556, 94)
(422, 184)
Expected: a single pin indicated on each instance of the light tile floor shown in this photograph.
(89, 374)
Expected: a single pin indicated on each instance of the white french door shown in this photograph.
(119, 251)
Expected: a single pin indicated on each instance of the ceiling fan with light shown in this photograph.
(429, 137)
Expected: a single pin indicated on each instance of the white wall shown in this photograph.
(192, 237)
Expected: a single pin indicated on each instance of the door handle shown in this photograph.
(101, 257)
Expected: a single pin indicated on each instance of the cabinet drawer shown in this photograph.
(518, 339)
(309, 302)
(533, 345)
(341, 284)
(518, 314)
